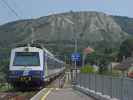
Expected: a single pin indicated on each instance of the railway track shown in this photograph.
(17, 95)
(26, 95)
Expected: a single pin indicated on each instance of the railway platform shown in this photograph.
(54, 92)
(65, 94)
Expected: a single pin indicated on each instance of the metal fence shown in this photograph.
(115, 87)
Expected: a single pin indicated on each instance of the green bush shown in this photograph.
(4, 69)
(87, 69)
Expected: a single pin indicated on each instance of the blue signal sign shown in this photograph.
(75, 56)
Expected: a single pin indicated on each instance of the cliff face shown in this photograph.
(87, 27)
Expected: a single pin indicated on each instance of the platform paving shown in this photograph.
(67, 94)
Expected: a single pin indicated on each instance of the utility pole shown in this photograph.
(32, 35)
(31, 40)
(83, 59)
(74, 71)
(76, 47)
(75, 62)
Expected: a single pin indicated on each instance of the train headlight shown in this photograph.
(29, 78)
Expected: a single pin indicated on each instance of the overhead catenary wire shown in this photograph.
(17, 15)
(10, 8)
(17, 8)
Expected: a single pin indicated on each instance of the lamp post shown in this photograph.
(83, 59)
(75, 62)
(75, 50)
(75, 44)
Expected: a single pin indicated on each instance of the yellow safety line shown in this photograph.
(45, 96)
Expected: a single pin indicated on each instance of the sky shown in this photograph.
(27, 9)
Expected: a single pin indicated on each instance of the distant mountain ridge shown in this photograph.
(60, 30)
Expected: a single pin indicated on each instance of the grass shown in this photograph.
(4, 87)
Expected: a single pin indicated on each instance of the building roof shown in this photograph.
(125, 64)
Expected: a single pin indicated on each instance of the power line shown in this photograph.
(11, 9)
(17, 7)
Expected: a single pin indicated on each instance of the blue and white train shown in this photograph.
(32, 66)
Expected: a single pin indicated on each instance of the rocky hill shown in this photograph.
(125, 23)
(58, 31)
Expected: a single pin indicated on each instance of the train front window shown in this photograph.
(26, 59)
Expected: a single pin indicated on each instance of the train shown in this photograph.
(32, 66)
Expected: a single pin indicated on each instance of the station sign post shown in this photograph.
(74, 58)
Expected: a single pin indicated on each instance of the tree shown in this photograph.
(126, 48)
(101, 59)
(103, 64)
